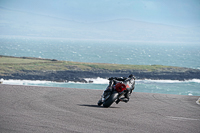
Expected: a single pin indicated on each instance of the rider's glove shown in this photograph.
(111, 78)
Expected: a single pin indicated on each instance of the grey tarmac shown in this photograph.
(36, 109)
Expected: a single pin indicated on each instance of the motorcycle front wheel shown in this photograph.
(110, 100)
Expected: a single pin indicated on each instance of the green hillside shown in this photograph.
(17, 64)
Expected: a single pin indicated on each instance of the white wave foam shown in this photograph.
(106, 81)
(194, 80)
(97, 80)
(24, 82)
(94, 81)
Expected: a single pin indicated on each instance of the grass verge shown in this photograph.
(19, 64)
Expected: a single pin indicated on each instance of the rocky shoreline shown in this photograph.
(78, 76)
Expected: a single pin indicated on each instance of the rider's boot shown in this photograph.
(118, 100)
(124, 99)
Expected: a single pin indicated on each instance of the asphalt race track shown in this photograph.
(30, 109)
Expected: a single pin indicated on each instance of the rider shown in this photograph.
(116, 83)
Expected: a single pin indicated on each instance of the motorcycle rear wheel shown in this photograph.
(110, 100)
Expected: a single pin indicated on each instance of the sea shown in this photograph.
(108, 51)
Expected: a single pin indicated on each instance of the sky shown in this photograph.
(135, 20)
(172, 12)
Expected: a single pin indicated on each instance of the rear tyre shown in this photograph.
(110, 100)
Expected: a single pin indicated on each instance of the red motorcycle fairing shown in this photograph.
(119, 87)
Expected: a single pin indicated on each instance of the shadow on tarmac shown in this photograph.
(95, 106)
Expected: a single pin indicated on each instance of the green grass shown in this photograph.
(13, 65)
(11, 60)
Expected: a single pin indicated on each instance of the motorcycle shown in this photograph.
(119, 89)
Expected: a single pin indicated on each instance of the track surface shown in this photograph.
(29, 109)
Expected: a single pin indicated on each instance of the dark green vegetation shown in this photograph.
(51, 69)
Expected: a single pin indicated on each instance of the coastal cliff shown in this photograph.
(26, 68)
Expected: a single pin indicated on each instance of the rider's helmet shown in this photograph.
(119, 87)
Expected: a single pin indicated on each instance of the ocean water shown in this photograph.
(119, 52)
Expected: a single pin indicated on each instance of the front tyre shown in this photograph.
(110, 100)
